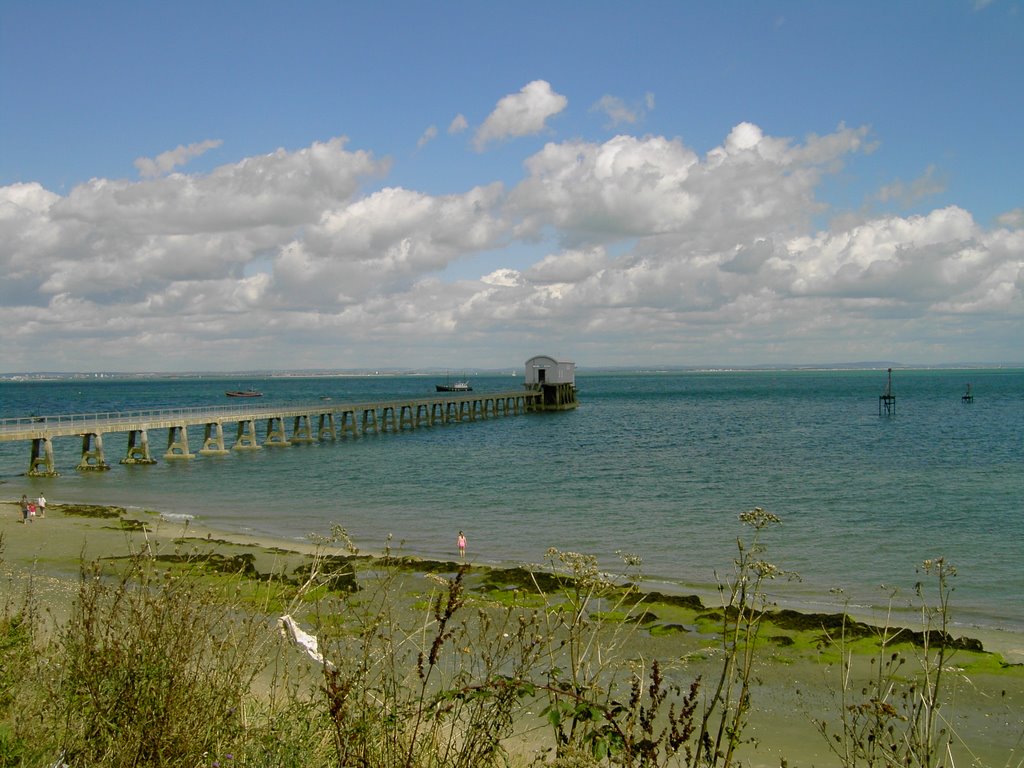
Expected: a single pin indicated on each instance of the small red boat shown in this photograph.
(243, 393)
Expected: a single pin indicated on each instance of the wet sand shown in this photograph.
(795, 682)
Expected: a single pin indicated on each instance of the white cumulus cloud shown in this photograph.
(458, 124)
(636, 249)
(521, 114)
(168, 161)
(428, 136)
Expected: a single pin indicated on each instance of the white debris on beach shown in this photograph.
(291, 629)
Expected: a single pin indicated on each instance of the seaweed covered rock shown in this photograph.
(935, 638)
(524, 578)
(642, 618)
(89, 510)
(662, 630)
(337, 573)
(243, 564)
(833, 623)
(691, 602)
(411, 563)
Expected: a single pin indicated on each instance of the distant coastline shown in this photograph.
(583, 370)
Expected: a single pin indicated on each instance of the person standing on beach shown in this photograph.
(462, 544)
(41, 505)
(24, 509)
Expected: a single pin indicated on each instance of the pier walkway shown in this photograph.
(308, 423)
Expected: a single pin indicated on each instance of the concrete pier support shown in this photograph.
(348, 423)
(302, 429)
(437, 413)
(555, 397)
(245, 440)
(177, 443)
(387, 419)
(423, 415)
(406, 417)
(275, 433)
(451, 412)
(370, 420)
(326, 428)
(41, 461)
(213, 440)
(138, 448)
(92, 453)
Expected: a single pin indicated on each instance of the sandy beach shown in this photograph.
(795, 685)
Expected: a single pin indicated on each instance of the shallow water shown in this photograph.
(654, 464)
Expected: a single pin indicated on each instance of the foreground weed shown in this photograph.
(660, 723)
(443, 690)
(744, 604)
(19, 631)
(582, 654)
(153, 669)
(894, 718)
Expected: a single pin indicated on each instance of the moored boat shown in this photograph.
(243, 393)
(459, 385)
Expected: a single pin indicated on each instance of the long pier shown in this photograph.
(284, 425)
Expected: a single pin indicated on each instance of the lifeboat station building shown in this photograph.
(556, 379)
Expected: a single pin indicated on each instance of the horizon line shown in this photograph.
(495, 370)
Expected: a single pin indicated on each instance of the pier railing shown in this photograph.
(109, 421)
(56, 425)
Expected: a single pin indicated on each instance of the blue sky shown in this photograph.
(226, 186)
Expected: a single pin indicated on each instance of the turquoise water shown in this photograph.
(657, 465)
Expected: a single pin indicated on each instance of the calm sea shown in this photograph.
(654, 464)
